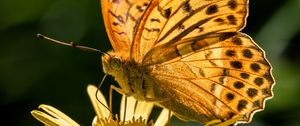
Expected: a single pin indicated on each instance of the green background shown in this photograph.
(34, 71)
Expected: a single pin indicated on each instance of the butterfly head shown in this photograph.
(114, 64)
(111, 63)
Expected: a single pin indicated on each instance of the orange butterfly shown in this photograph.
(188, 56)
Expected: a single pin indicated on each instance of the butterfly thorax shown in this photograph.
(131, 76)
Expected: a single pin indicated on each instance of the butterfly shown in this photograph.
(188, 55)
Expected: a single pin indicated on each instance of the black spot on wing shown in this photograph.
(212, 9)
(267, 92)
(236, 64)
(187, 7)
(252, 92)
(232, 4)
(244, 75)
(255, 67)
(140, 8)
(237, 41)
(230, 96)
(268, 77)
(201, 72)
(247, 53)
(166, 13)
(225, 72)
(232, 19)
(219, 20)
(256, 103)
(259, 81)
(238, 84)
(200, 29)
(230, 53)
(155, 20)
(181, 27)
(242, 105)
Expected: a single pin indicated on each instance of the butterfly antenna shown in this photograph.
(71, 44)
(98, 89)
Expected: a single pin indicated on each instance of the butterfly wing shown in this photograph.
(170, 21)
(226, 79)
(200, 60)
(121, 18)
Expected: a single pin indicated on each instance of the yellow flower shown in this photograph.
(137, 113)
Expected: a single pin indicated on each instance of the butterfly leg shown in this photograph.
(169, 114)
(120, 91)
(169, 117)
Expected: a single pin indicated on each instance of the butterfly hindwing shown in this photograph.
(225, 79)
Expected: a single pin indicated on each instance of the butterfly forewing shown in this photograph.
(121, 18)
(170, 21)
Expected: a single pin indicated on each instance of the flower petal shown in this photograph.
(143, 109)
(162, 118)
(52, 116)
(101, 111)
(96, 121)
(131, 102)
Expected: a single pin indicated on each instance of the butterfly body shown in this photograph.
(131, 76)
(189, 55)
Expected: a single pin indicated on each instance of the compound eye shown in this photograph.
(115, 63)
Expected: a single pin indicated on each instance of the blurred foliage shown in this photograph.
(34, 71)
